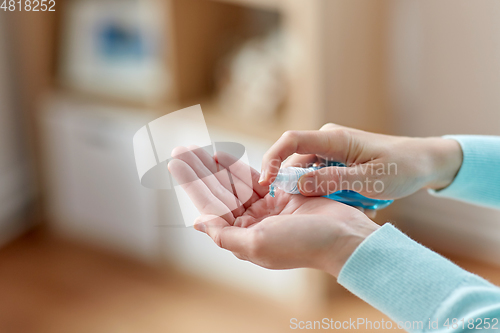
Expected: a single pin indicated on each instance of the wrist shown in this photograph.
(352, 235)
(445, 160)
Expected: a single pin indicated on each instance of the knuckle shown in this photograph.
(291, 135)
(327, 127)
(340, 137)
(340, 132)
(336, 132)
(218, 240)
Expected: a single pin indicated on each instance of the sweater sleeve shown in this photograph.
(418, 289)
(478, 180)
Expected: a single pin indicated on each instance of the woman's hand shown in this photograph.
(378, 166)
(287, 231)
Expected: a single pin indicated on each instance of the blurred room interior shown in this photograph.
(86, 248)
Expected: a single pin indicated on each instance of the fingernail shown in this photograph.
(262, 176)
(307, 184)
(200, 227)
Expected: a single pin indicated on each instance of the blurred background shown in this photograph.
(85, 248)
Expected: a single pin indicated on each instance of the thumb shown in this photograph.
(332, 179)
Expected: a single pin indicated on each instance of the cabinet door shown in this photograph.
(94, 190)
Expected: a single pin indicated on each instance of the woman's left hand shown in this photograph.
(287, 231)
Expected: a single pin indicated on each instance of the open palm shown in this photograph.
(286, 231)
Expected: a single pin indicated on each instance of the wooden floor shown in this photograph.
(50, 285)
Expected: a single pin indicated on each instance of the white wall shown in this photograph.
(445, 79)
(445, 64)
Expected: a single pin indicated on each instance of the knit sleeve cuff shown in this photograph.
(478, 180)
(398, 276)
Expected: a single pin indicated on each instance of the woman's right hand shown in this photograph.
(377, 166)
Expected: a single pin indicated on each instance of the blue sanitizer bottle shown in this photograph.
(287, 179)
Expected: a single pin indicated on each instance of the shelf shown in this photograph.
(275, 5)
(270, 129)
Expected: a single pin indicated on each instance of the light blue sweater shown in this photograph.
(419, 289)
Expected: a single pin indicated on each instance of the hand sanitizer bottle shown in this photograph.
(288, 178)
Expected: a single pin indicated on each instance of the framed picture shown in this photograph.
(115, 48)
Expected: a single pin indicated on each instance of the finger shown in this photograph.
(245, 221)
(242, 171)
(245, 194)
(334, 144)
(232, 183)
(204, 200)
(234, 239)
(205, 221)
(222, 193)
(205, 158)
(301, 161)
(218, 170)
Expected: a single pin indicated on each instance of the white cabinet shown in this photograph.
(93, 191)
(94, 194)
